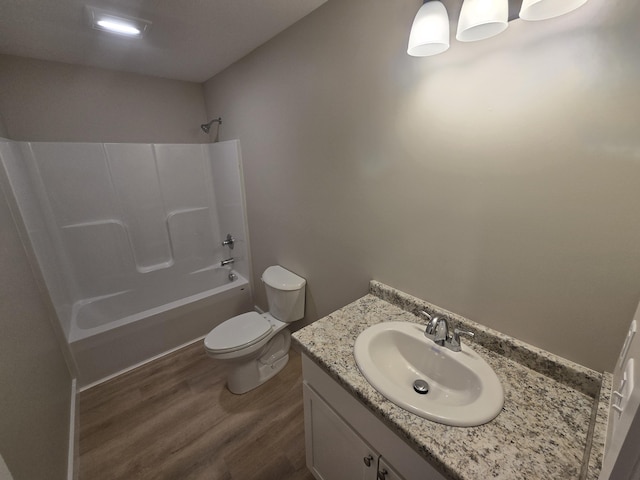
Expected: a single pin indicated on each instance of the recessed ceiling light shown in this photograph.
(116, 23)
(118, 27)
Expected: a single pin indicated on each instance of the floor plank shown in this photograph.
(174, 419)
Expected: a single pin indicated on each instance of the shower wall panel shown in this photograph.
(227, 183)
(116, 219)
(139, 187)
(129, 212)
(37, 216)
(185, 178)
(77, 186)
(128, 238)
(230, 200)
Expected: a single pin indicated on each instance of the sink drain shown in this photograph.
(421, 387)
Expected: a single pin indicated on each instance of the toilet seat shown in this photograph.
(237, 333)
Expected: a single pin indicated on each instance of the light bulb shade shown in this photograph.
(430, 30)
(543, 9)
(480, 19)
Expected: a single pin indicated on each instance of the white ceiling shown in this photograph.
(189, 39)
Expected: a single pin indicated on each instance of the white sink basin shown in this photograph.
(463, 391)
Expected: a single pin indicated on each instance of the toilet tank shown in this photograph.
(285, 293)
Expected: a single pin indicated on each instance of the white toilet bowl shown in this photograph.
(256, 346)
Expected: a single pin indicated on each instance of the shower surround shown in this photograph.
(128, 238)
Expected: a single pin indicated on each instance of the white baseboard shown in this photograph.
(5, 474)
(156, 357)
(72, 473)
(133, 367)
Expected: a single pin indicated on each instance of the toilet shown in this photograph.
(256, 346)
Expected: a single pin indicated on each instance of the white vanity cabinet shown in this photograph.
(334, 450)
(346, 441)
(386, 472)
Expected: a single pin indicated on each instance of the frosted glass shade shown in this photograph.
(480, 19)
(430, 30)
(543, 9)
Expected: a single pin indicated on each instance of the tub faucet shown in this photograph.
(228, 261)
(439, 331)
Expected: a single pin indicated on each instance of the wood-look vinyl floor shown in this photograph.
(174, 419)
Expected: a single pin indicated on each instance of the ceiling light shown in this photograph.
(430, 30)
(480, 19)
(116, 23)
(544, 9)
(118, 27)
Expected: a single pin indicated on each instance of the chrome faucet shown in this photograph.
(439, 331)
(228, 261)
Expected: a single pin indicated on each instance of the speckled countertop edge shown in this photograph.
(594, 384)
(466, 459)
(600, 430)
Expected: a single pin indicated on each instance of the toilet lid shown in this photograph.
(239, 331)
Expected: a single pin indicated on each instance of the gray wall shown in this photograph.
(47, 101)
(3, 129)
(35, 393)
(498, 180)
(50, 101)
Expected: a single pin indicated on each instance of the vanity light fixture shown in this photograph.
(430, 30)
(544, 9)
(116, 23)
(480, 19)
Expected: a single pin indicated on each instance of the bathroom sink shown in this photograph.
(463, 390)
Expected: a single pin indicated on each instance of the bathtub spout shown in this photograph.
(228, 261)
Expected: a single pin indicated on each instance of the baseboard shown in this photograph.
(72, 460)
(144, 362)
(140, 364)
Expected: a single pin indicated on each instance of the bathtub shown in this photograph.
(131, 254)
(113, 333)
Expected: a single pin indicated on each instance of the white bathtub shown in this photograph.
(113, 333)
(128, 238)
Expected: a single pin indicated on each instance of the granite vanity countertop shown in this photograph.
(543, 431)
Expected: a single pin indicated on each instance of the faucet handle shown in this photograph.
(455, 344)
(457, 331)
(229, 241)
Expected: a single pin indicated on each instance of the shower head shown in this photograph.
(206, 127)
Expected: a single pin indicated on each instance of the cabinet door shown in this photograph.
(334, 450)
(385, 472)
